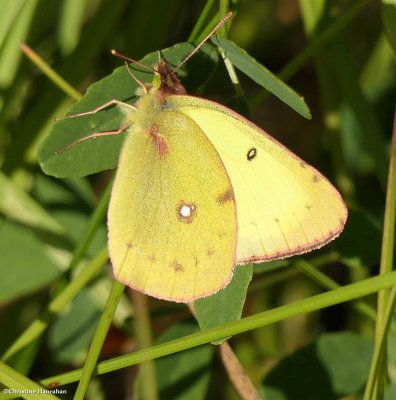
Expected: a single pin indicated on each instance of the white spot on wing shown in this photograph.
(186, 212)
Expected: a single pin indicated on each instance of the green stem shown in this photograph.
(38, 326)
(323, 280)
(223, 9)
(380, 350)
(92, 228)
(22, 386)
(50, 73)
(201, 20)
(386, 264)
(148, 383)
(99, 338)
(314, 303)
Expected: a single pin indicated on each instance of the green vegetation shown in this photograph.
(317, 326)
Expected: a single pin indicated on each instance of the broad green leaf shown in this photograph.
(100, 154)
(184, 375)
(27, 264)
(254, 70)
(52, 192)
(270, 265)
(273, 394)
(75, 222)
(227, 304)
(76, 68)
(19, 206)
(324, 369)
(70, 335)
(343, 73)
(365, 251)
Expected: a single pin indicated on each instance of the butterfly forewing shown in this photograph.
(172, 217)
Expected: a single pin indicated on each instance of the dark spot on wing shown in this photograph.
(177, 267)
(228, 195)
(315, 178)
(252, 153)
(210, 253)
(308, 206)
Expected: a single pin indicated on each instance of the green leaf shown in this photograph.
(26, 263)
(270, 265)
(10, 53)
(71, 334)
(254, 70)
(323, 370)
(20, 384)
(390, 393)
(70, 25)
(389, 17)
(312, 12)
(19, 206)
(369, 131)
(184, 375)
(75, 222)
(52, 193)
(365, 251)
(227, 304)
(101, 154)
(9, 12)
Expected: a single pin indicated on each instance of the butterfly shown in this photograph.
(199, 189)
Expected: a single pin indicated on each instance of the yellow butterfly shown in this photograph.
(200, 189)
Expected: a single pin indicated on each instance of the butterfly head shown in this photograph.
(166, 79)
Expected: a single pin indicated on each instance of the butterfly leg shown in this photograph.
(94, 136)
(100, 108)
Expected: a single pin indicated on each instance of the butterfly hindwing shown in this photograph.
(284, 206)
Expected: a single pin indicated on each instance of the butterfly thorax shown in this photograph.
(149, 105)
(147, 110)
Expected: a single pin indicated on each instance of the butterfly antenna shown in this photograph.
(211, 33)
(126, 58)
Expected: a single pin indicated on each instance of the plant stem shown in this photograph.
(385, 267)
(99, 338)
(143, 334)
(313, 303)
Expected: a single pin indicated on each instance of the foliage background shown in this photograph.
(349, 85)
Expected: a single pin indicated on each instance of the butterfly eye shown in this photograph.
(252, 153)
